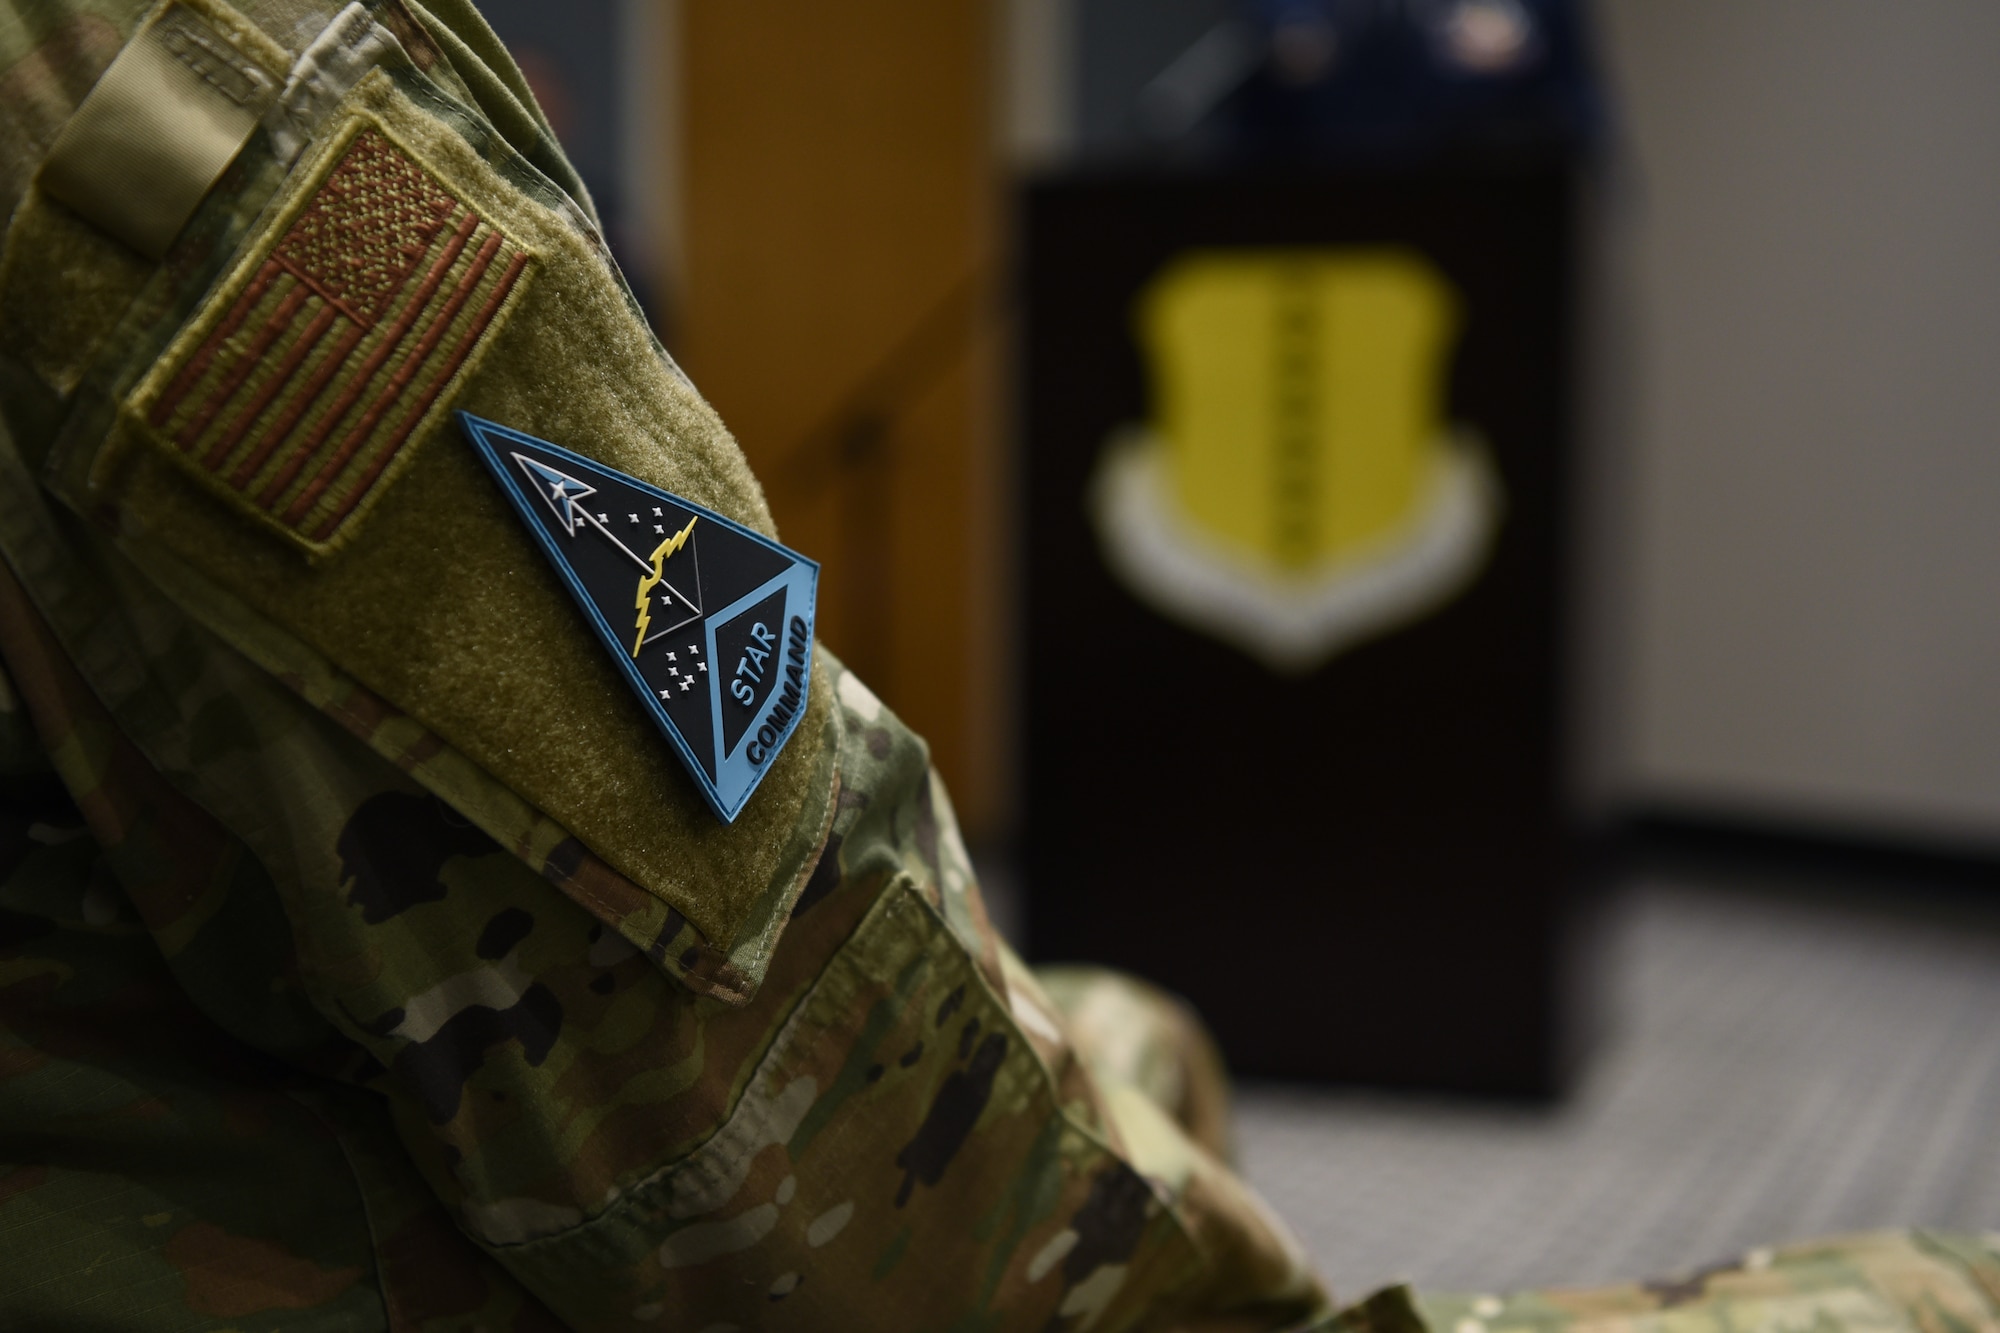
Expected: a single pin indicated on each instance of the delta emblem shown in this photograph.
(1298, 488)
(711, 623)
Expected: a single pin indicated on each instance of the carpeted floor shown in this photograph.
(1773, 1066)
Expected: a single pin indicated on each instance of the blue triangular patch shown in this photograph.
(711, 623)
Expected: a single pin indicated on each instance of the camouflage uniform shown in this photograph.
(309, 1020)
(1905, 1282)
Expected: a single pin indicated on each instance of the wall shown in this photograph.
(1813, 475)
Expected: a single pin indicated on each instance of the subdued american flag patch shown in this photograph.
(307, 378)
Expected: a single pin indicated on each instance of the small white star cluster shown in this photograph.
(686, 682)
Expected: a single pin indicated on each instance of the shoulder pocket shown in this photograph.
(287, 469)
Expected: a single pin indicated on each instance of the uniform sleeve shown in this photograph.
(898, 1121)
(1895, 1281)
(857, 1110)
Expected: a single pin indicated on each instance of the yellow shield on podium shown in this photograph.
(1299, 486)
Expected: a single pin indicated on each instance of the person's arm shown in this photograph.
(658, 1068)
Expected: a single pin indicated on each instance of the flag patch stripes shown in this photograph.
(303, 395)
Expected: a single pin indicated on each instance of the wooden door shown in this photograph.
(838, 234)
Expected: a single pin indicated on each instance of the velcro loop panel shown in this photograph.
(419, 584)
(163, 123)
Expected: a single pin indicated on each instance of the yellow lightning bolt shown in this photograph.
(648, 582)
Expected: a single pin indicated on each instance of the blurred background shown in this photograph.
(1457, 533)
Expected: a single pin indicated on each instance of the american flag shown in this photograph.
(311, 381)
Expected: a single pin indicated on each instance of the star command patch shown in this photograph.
(710, 622)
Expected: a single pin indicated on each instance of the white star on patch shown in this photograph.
(672, 658)
(687, 683)
(702, 665)
(633, 517)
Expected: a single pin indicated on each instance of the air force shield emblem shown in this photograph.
(711, 623)
(1300, 488)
